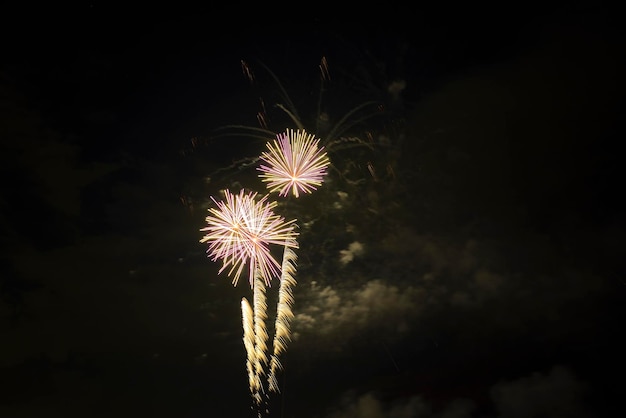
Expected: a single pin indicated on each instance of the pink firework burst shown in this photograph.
(294, 162)
(240, 231)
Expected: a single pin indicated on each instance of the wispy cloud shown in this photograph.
(370, 405)
(328, 310)
(556, 393)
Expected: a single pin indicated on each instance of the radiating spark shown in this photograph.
(247, 71)
(370, 168)
(262, 115)
(294, 162)
(240, 231)
(324, 69)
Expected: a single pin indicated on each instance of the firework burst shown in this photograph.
(293, 162)
(240, 231)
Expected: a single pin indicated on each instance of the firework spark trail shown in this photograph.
(294, 162)
(260, 331)
(248, 341)
(284, 315)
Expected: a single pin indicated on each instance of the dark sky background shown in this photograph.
(475, 269)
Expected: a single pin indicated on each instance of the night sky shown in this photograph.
(463, 258)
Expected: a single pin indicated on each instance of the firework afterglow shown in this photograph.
(294, 162)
